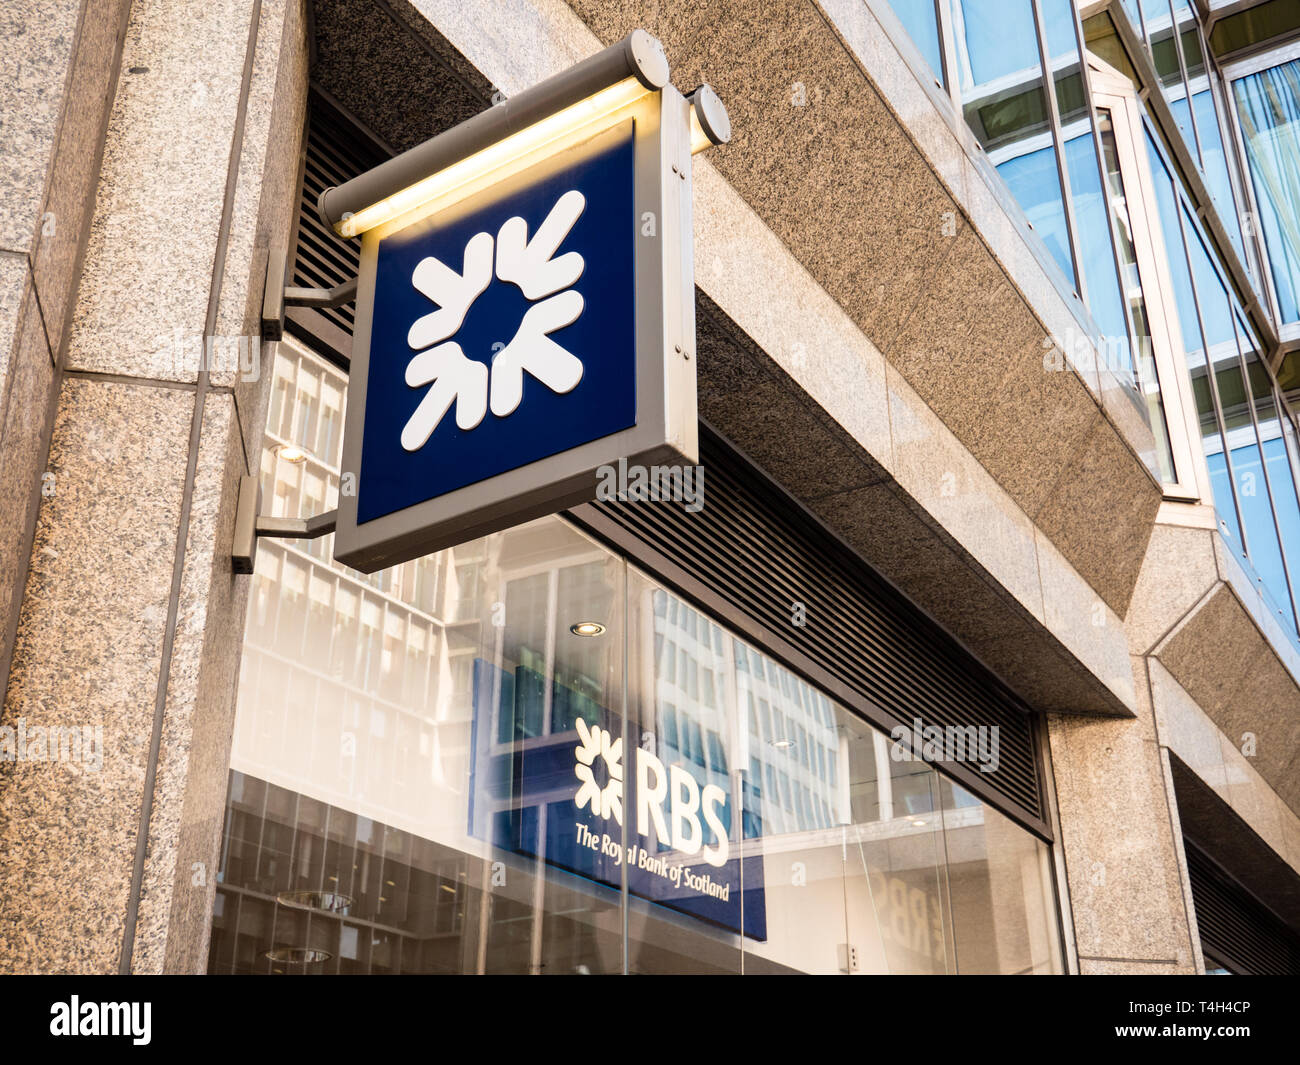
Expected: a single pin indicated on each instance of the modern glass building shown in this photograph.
(1128, 196)
(977, 652)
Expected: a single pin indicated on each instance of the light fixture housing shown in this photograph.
(710, 124)
(298, 955)
(324, 901)
(587, 628)
(294, 453)
(485, 145)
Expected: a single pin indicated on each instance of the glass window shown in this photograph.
(993, 862)
(1096, 250)
(1006, 105)
(919, 20)
(496, 792)
(1216, 165)
(1280, 482)
(1097, 255)
(1193, 344)
(1144, 365)
(1268, 106)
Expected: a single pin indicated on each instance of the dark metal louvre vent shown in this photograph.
(759, 551)
(336, 151)
(1237, 930)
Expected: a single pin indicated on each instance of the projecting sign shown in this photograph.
(525, 328)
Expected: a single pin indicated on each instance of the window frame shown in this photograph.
(1232, 72)
(1114, 93)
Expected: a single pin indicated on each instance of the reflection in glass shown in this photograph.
(1216, 165)
(1121, 224)
(1280, 582)
(1268, 104)
(438, 773)
(919, 20)
(1006, 105)
(1194, 347)
(1003, 912)
(1240, 463)
(1096, 250)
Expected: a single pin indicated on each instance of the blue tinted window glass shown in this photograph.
(1058, 27)
(1210, 295)
(1211, 439)
(1000, 40)
(1252, 491)
(1036, 185)
(1286, 508)
(917, 17)
(1155, 10)
(1221, 339)
(1222, 489)
(1006, 106)
(1281, 484)
(1096, 252)
(1216, 165)
(1173, 242)
(1178, 106)
(1268, 104)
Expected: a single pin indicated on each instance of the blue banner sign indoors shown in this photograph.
(563, 795)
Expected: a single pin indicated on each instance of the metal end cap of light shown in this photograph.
(712, 114)
(320, 206)
(648, 59)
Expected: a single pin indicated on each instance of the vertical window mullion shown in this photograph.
(1249, 392)
(951, 54)
(1264, 269)
(1054, 119)
(1181, 213)
(1233, 161)
(947, 60)
(1142, 24)
(1187, 82)
(1104, 178)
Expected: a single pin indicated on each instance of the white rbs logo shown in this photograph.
(686, 802)
(530, 264)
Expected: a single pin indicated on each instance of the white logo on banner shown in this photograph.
(670, 804)
(533, 267)
(606, 801)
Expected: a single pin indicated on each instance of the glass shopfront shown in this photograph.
(524, 755)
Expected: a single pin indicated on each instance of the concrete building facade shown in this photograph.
(995, 316)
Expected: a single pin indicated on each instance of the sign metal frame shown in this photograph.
(666, 427)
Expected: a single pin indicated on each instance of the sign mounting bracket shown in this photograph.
(276, 296)
(250, 525)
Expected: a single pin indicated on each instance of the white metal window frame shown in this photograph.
(1114, 93)
(1234, 71)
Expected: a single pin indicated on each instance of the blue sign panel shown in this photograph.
(504, 333)
(563, 795)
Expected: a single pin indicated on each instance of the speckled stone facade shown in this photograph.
(128, 616)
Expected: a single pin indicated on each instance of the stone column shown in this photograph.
(1122, 844)
(131, 620)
